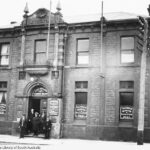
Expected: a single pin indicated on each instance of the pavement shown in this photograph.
(14, 142)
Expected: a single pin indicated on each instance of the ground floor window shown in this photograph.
(3, 96)
(80, 105)
(126, 98)
(126, 105)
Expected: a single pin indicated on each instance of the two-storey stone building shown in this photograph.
(88, 84)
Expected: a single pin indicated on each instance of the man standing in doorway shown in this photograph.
(36, 122)
(30, 121)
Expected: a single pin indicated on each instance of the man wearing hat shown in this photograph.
(47, 128)
(22, 125)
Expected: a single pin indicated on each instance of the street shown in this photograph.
(14, 143)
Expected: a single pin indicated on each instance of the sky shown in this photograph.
(12, 10)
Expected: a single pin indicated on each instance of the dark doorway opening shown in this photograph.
(38, 104)
(34, 103)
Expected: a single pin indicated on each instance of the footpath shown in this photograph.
(27, 140)
(32, 143)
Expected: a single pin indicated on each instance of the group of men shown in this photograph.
(35, 123)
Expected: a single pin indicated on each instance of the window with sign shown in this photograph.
(83, 51)
(81, 100)
(127, 50)
(3, 97)
(126, 96)
(4, 54)
(40, 51)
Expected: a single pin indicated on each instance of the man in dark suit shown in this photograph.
(36, 122)
(30, 121)
(47, 128)
(22, 125)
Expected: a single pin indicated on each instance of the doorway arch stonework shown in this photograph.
(28, 89)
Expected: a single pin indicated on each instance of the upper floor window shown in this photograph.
(40, 51)
(4, 54)
(83, 51)
(127, 49)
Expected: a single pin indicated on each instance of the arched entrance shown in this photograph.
(38, 99)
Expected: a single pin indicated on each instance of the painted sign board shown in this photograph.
(2, 108)
(80, 111)
(54, 107)
(126, 112)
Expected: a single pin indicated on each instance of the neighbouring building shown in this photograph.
(88, 89)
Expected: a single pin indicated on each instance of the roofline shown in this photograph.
(131, 20)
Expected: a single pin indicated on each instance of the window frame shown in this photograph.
(8, 54)
(80, 90)
(126, 90)
(4, 90)
(35, 49)
(127, 50)
(82, 53)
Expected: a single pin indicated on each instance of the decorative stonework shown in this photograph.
(37, 71)
(41, 13)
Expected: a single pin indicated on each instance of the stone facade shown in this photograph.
(59, 72)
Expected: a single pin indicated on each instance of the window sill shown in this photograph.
(5, 67)
(126, 123)
(128, 64)
(82, 66)
(79, 122)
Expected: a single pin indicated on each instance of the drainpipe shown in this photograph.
(63, 79)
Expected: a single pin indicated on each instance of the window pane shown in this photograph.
(4, 54)
(81, 84)
(127, 56)
(83, 45)
(127, 43)
(41, 46)
(3, 97)
(126, 84)
(3, 84)
(5, 49)
(4, 60)
(83, 58)
(40, 58)
(81, 98)
(126, 98)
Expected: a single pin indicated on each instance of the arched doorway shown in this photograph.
(38, 99)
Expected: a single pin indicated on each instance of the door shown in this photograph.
(43, 105)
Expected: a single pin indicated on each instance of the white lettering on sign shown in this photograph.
(126, 112)
(54, 107)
